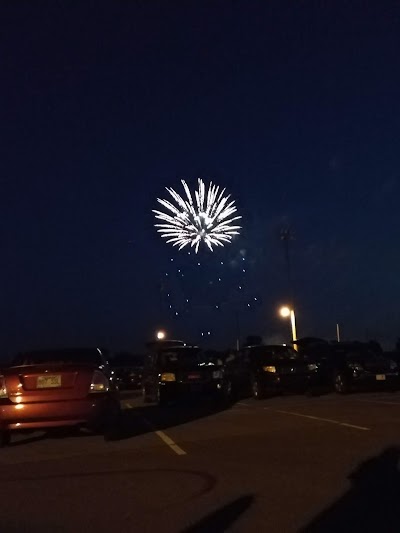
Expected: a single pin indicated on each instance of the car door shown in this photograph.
(148, 375)
(144, 374)
(242, 372)
(247, 371)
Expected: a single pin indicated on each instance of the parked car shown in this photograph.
(174, 372)
(165, 343)
(53, 388)
(265, 370)
(309, 345)
(350, 366)
(392, 356)
(128, 370)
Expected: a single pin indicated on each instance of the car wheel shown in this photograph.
(340, 384)
(227, 394)
(256, 390)
(5, 438)
(146, 397)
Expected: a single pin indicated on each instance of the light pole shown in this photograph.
(237, 330)
(287, 312)
(286, 237)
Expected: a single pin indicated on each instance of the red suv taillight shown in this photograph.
(3, 388)
(99, 382)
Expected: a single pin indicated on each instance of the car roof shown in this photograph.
(269, 346)
(350, 346)
(63, 351)
(165, 342)
(178, 348)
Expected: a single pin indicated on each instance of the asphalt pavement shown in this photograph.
(286, 464)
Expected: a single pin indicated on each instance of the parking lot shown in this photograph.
(280, 464)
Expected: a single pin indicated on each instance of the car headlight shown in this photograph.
(168, 376)
(269, 369)
(312, 367)
(217, 374)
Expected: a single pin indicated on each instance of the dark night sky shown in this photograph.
(293, 106)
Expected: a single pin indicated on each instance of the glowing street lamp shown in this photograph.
(161, 335)
(286, 312)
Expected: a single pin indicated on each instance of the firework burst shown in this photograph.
(205, 217)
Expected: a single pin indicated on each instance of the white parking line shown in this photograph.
(164, 437)
(328, 420)
(169, 442)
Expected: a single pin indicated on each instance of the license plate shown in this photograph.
(380, 377)
(48, 382)
(194, 376)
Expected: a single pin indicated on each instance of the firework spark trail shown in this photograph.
(208, 217)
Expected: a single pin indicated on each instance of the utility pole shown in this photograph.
(237, 330)
(286, 237)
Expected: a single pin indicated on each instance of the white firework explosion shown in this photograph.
(205, 218)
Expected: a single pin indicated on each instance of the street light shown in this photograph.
(286, 312)
(160, 335)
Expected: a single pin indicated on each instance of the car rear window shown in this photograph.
(91, 357)
(362, 357)
(181, 357)
(127, 360)
(275, 353)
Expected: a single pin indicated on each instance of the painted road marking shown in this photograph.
(244, 404)
(169, 442)
(328, 420)
(164, 437)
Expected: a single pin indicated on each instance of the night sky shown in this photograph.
(294, 107)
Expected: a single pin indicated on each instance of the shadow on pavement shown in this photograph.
(27, 439)
(136, 421)
(54, 433)
(371, 504)
(147, 418)
(222, 518)
(208, 482)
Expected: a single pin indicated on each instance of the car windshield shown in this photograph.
(85, 356)
(362, 356)
(276, 353)
(127, 360)
(181, 357)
